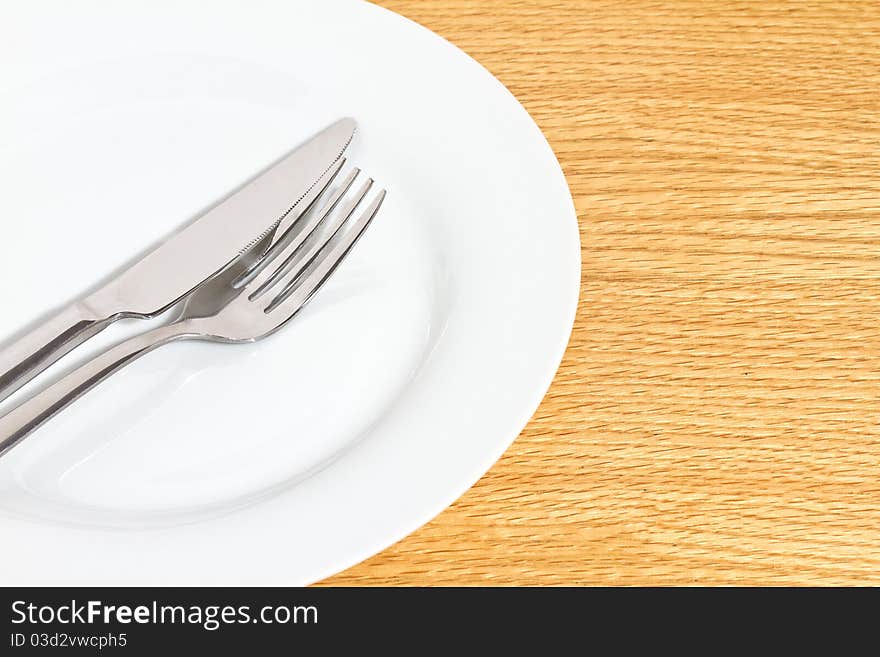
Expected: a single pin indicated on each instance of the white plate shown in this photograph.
(397, 388)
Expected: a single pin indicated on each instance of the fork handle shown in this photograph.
(32, 353)
(25, 418)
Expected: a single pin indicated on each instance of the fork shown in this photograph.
(246, 302)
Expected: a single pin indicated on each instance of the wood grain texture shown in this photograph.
(715, 420)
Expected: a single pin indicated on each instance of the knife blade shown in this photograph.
(185, 260)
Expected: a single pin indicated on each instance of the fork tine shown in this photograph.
(298, 261)
(288, 222)
(284, 229)
(300, 290)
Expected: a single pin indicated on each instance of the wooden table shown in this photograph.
(715, 420)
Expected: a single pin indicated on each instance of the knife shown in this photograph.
(185, 260)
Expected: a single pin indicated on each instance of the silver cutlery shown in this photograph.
(248, 301)
(187, 259)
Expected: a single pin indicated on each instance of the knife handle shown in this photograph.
(28, 416)
(24, 358)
